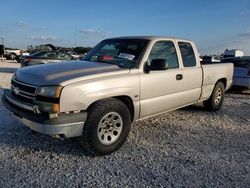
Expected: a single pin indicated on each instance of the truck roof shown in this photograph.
(150, 37)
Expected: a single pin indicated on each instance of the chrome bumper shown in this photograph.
(67, 130)
(68, 125)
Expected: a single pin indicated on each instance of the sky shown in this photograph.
(213, 25)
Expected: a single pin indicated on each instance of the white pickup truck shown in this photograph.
(12, 54)
(120, 81)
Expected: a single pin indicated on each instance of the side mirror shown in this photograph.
(158, 65)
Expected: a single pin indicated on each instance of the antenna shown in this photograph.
(75, 35)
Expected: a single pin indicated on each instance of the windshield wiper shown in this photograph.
(107, 62)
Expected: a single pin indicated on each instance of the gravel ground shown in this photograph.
(184, 148)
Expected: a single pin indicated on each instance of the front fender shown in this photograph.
(80, 95)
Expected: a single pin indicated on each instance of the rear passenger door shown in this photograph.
(192, 74)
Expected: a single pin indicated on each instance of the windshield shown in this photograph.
(39, 53)
(122, 52)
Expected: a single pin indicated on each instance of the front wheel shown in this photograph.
(215, 101)
(12, 56)
(107, 127)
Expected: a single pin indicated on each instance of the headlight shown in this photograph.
(49, 91)
(47, 98)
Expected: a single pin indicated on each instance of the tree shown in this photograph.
(30, 48)
(82, 50)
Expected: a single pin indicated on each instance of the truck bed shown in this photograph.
(214, 72)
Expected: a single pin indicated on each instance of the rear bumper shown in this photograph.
(241, 81)
(68, 125)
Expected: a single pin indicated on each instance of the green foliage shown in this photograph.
(30, 48)
(6, 48)
(78, 50)
(82, 50)
(42, 48)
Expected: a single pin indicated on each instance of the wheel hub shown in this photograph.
(109, 128)
(218, 96)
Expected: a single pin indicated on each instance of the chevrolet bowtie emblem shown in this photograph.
(16, 90)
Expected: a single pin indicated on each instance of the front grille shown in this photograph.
(23, 87)
(22, 91)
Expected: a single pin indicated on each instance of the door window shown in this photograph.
(187, 54)
(164, 50)
(51, 55)
(63, 56)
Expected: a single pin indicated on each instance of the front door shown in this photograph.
(161, 90)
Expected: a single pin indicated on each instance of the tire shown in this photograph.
(12, 56)
(215, 101)
(107, 127)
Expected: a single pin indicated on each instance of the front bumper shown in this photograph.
(68, 125)
(24, 63)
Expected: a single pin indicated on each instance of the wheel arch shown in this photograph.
(210, 103)
(123, 98)
(223, 80)
(13, 53)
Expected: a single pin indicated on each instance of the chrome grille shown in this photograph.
(22, 91)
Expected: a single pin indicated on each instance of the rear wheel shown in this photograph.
(107, 127)
(215, 101)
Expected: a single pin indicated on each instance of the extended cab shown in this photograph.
(120, 81)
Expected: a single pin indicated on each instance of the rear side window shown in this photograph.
(164, 50)
(51, 55)
(63, 56)
(187, 54)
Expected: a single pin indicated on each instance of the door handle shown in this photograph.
(179, 77)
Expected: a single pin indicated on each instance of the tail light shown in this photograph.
(28, 59)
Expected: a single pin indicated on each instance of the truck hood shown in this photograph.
(66, 73)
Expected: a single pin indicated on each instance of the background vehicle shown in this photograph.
(23, 53)
(74, 54)
(210, 59)
(241, 77)
(233, 53)
(1, 50)
(12, 54)
(120, 81)
(44, 57)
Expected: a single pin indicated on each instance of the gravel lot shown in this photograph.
(189, 147)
